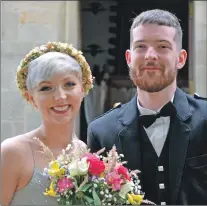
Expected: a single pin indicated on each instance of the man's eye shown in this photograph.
(45, 88)
(69, 84)
(140, 46)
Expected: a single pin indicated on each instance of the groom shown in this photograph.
(162, 131)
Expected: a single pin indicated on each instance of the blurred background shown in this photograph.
(101, 30)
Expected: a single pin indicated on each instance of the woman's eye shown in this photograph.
(69, 84)
(163, 46)
(45, 88)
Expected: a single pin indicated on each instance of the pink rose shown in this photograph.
(114, 179)
(96, 166)
(64, 184)
(123, 171)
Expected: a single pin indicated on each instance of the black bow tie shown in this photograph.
(168, 110)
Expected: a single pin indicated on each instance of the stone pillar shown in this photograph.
(73, 36)
(26, 24)
(200, 47)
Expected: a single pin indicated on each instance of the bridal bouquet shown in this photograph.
(92, 179)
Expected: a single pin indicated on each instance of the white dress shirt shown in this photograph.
(158, 131)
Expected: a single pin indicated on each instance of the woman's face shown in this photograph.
(59, 98)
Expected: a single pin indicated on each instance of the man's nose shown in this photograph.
(151, 54)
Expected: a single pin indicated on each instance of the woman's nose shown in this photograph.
(60, 94)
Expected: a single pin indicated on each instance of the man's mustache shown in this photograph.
(151, 64)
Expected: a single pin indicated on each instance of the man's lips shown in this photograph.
(151, 68)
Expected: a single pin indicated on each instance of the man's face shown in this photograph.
(154, 58)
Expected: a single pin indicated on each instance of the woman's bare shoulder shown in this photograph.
(14, 153)
(16, 146)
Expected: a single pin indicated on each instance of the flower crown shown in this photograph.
(66, 48)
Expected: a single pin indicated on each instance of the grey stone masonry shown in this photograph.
(24, 25)
(200, 47)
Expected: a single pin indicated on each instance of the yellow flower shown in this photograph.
(55, 169)
(51, 192)
(135, 199)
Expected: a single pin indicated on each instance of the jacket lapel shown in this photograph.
(129, 135)
(179, 137)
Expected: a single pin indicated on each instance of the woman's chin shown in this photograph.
(60, 120)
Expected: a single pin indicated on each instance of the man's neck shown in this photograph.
(156, 100)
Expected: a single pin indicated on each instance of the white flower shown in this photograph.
(125, 189)
(78, 167)
(45, 170)
(59, 159)
(68, 147)
(101, 192)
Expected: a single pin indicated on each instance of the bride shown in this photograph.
(54, 78)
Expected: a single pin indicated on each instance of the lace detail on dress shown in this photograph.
(79, 146)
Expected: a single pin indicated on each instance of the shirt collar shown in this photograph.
(145, 111)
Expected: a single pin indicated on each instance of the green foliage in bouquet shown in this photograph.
(92, 179)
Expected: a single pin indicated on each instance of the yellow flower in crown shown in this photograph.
(51, 192)
(55, 170)
(135, 199)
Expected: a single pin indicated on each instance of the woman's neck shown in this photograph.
(56, 136)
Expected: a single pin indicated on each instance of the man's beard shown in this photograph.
(152, 81)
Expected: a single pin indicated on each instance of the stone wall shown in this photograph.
(26, 24)
(200, 47)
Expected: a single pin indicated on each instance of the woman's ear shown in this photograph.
(30, 99)
(83, 93)
(181, 59)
